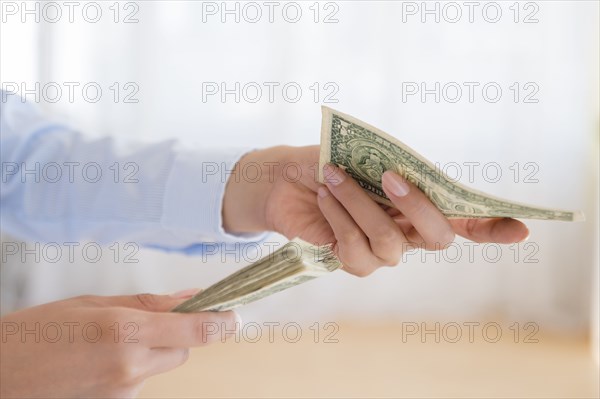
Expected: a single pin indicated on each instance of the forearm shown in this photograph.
(59, 185)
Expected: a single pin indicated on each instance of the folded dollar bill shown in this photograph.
(366, 152)
(294, 263)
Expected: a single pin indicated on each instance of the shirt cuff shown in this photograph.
(193, 202)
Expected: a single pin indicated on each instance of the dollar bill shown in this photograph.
(294, 263)
(366, 152)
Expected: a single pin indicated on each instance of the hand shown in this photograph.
(99, 346)
(365, 235)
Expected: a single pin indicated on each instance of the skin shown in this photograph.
(284, 198)
(94, 365)
(365, 235)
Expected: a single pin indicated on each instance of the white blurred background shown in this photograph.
(363, 59)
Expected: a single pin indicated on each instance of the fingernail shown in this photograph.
(238, 321)
(332, 174)
(185, 293)
(322, 192)
(396, 184)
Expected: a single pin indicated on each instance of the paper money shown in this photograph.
(294, 263)
(366, 152)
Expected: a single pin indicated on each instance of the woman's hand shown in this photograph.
(287, 198)
(100, 346)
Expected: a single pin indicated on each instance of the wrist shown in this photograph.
(248, 188)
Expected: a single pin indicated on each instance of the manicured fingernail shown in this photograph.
(323, 192)
(185, 293)
(396, 184)
(332, 175)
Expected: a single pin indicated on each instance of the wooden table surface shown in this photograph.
(373, 361)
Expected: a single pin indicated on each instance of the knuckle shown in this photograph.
(418, 207)
(392, 260)
(107, 318)
(148, 301)
(89, 300)
(351, 235)
(447, 238)
(361, 271)
(386, 236)
(443, 242)
(126, 371)
(389, 247)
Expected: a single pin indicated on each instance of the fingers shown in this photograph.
(352, 245)
(500, 230)
(184, 330)
(384, 236)
(151, 302)
(429, 223)
(158, 327)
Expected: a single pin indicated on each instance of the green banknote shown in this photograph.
(294, 263)
(366, 152)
